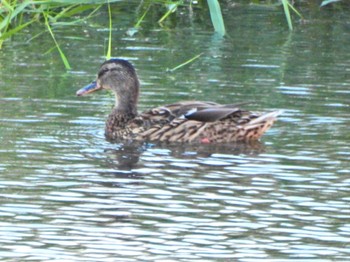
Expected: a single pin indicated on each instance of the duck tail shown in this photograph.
(258, 126)
(272, 116)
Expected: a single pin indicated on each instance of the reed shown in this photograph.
(184, 63)
(216, 17)
(171, 9)
(63, 57)
(286, 6)
(109, 51)
(15, 15)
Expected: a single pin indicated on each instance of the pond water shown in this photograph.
(68, 195)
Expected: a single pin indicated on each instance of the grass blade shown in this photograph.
(185, 63)
(171, 9)
(295, 11)
(63, 57)
(11, 32)
(109, 51)
(12, 13)
(216, 17)
(286, 5)
(138, 23)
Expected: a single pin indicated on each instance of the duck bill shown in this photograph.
(88, 89)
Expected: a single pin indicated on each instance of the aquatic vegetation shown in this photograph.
(16, 15)
(286, 6)
(216, 17)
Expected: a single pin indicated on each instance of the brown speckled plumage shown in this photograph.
(190, 121)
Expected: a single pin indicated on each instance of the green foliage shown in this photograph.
(216, 17)
(15, 15)
(63, 57)
(171, 9)
(109, 51)
(185, 63)
(286, 6)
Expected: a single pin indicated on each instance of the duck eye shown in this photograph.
(102, 72)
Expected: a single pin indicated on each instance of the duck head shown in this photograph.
(119, 76)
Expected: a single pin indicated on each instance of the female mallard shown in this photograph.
(191, 121)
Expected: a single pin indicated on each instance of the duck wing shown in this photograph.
(201, 111)
(196, 110)
(184, 121)
(211, 114)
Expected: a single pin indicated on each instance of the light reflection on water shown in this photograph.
(68, 195)
(76, 194)
(152, 202)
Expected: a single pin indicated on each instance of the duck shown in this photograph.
(180, 122)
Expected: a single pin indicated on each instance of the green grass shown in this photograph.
(171, 9)
(109, 50)
(16, 15)
(63, 57)
(184, 63)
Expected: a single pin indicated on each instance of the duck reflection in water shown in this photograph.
(125, 156)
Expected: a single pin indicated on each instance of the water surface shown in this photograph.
(68, 195)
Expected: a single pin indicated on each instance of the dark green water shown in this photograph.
(68, 195)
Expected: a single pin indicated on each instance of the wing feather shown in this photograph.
(196, 120)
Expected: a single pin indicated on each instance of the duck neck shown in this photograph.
(126, 97)
(126, 103)
(119, 118)
(124, 112)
